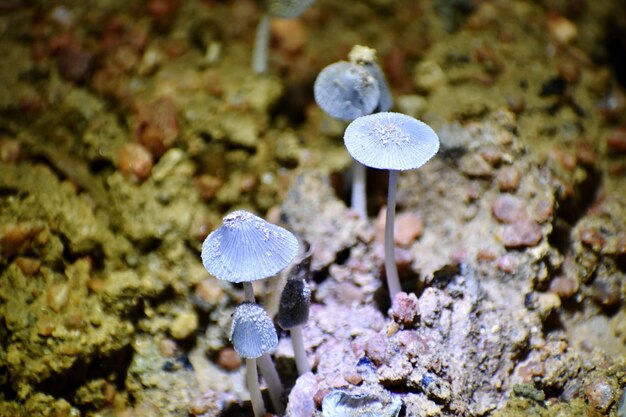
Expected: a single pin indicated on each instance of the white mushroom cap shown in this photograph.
(252, 332)
(391, 141)
(247, 248)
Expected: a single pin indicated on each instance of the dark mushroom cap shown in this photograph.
(391, 141)
(346, 91)
(295, 300)
(287, 9)
(247, 248)
(252, 332)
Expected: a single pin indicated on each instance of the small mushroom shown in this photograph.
(293, 310)
(253, 335)
(348, 90)
(286, 9)
(395, 142)
(247, 248)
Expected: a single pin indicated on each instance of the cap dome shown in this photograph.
(346, 91)
(247, 248)
(391, 141)
(252, 332)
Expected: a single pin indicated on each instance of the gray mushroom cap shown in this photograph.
(252, 332)
(287, 9)
(346, 90)
(247, 248)
(392, 141)
(295, 300)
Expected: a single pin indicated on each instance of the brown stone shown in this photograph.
(407, 228)
(156, 127)
(376, 349)
(509, 178)
(353, 378)
(601, 393)
(521, 234)
(508, 209)
(508, 263)
(616, 141)
(564, 287)
(228, 359)
(592, 237)
(28, 266)
(134, 162)
(404, 309)
(542, 210)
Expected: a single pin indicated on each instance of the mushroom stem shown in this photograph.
(248, 292)
(252, 379)
(391, 270)
(260, 55)
(302, 362)
(359, 178)
(275, 387)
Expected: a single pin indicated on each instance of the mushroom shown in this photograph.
(395, 142)
(348, 90)
(293, 310)
(247, 248)
(286, 9)
(253, 336)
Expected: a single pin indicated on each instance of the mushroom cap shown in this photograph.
(287, 9)
(252, 332)
(295, 300)
(247, 248)
(346, 91)
(386, 101)
(392, 141)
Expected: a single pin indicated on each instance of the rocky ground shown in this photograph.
(128, 129)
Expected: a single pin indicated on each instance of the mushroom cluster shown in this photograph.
(247, 248)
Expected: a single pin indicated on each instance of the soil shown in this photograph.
(129, 129)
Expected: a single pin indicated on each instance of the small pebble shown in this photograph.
(156, 127)
(564, 287)
(508, 263)
(521, 234)
(58, 296)
(547, 303)
(228, 359)
(592, 237)
(28, 266)
(353, 378)
(509, 178)
(290, 35)
(10, 150)
(616, 141)
(562, 29)
(407, 228)
(167, 347)
(404, 309)
(376, 349)
(509, 209)
(542, 211)
(134, 161)
(474, 165)
(601, 393)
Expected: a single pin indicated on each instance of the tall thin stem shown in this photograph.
(260, 55)
(252, 379)
(393, 282)
(248, 292)
(275, 387)
(297, 341)
(359, 185)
